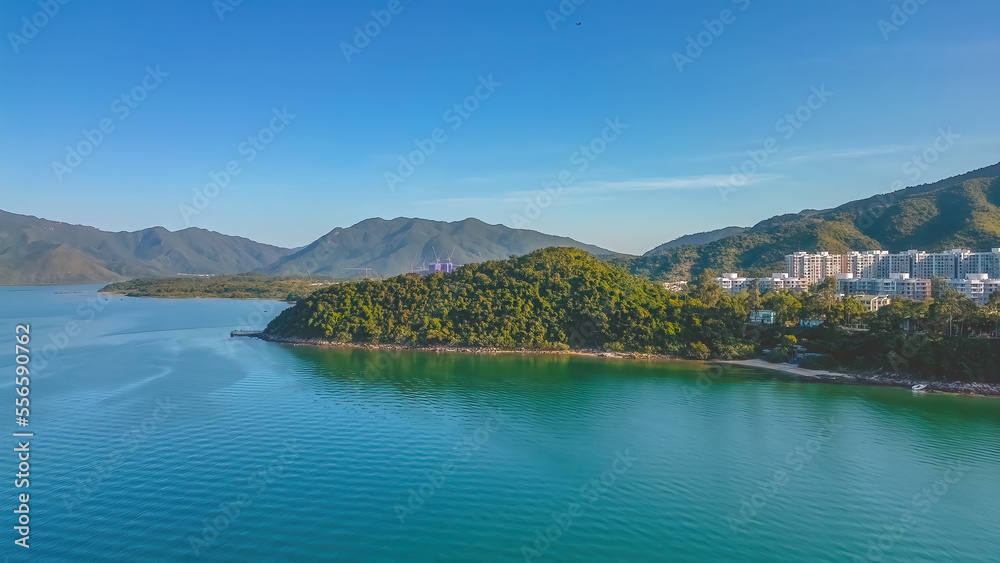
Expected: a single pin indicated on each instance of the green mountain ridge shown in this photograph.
(39, 251)
(962, 211)
(958, 212)
(697, 239)
(391, 247)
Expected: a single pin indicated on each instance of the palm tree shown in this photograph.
(990, 313)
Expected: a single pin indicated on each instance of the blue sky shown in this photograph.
(198, 85)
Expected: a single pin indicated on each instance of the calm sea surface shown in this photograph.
(159, 438)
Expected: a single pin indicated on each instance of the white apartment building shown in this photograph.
(734, 283)
(814, 267)
(980, 263)
(977, 287)
(975, 275)
(783, 280)
(901, 285)
(868, 264)
(879, 264)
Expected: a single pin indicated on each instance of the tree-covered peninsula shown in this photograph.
(564, 298)
(235, 286)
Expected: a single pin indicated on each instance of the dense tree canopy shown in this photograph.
(236, 286)
(556, 298)
(563, 298)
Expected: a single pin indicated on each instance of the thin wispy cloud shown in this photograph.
(660, 184)
(604, 189)
(849, 153)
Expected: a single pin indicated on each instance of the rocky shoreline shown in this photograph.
(899, 380)
(298, 341)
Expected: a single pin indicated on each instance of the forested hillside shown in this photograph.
(563, 298)
(963, 211)
(556, 298)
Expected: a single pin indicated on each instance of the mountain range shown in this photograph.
(397, 246)
(961, 211)
(958, 212)
(39, 251)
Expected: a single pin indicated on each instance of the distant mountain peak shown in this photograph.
(35, 250)
(394, 246)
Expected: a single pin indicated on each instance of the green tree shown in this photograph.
(708, 289)
(785, 305)
(852, 309)
(753, 299)
(989, 314)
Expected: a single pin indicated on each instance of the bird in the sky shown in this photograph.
(579, 23)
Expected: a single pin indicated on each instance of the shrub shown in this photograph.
(778, 355)
(698, 351)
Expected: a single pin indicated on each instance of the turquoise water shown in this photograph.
(159, 438)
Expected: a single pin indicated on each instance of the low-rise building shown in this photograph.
(763, 317)
(872, 303)
(783, 280)
(675, 286)
(901, 285)
(734, 283)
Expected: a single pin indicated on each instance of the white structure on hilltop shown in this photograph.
(675, 285)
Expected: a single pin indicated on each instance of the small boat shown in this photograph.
(919, 387)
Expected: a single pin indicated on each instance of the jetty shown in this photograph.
(247, 333)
